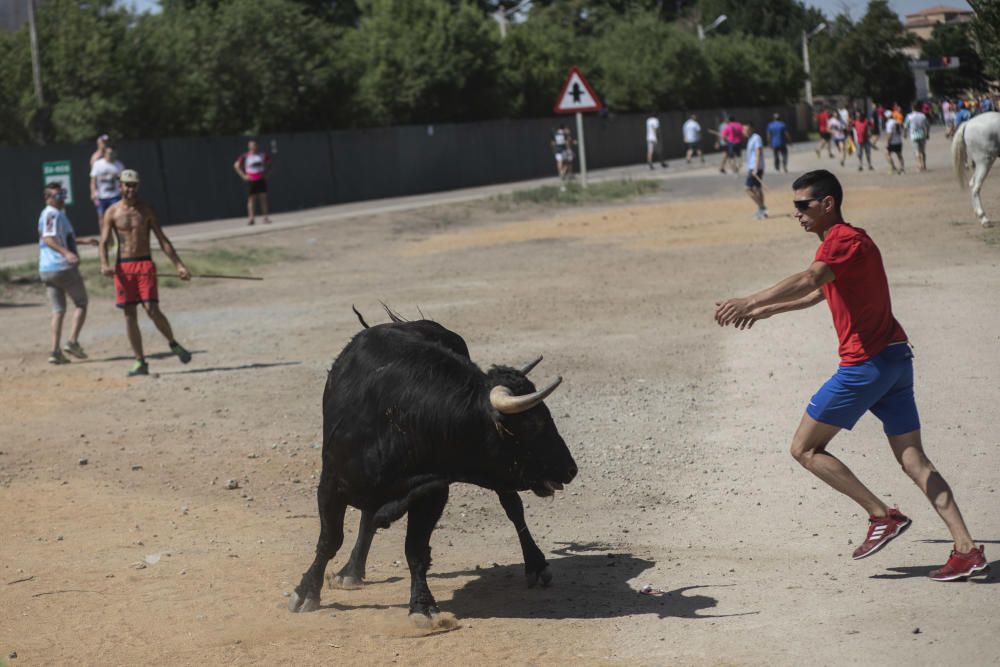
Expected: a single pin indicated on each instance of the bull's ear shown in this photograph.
(527, 369)
(504, 401)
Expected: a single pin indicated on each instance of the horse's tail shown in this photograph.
(958, 155)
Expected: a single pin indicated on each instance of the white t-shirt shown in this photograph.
(692, 131)
(53, 222)
(836, 128)
(652, 126)
(753, 144)
(916, 123)
(106, 175)
(894, 132)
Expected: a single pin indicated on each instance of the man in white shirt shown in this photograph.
(918, 127)
(755, 171)
(692, 138)
(653, 141)
(105, 188)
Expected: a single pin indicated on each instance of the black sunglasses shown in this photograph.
(803, 204)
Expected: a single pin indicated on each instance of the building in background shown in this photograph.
(921, 24)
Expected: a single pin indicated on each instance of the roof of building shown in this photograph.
(940, 9)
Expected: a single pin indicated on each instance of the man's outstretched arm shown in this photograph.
(798, 289)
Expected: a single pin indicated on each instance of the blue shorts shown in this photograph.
(104, 204)
(752, 183)
(883, 384)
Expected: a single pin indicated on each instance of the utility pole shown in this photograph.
(36, 67)
(806, 36)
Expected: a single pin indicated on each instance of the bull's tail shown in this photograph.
(394, 509)
(361, 319)
(959, 156)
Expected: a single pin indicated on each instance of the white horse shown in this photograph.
(977, 141)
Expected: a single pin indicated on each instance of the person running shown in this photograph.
(862, 128)
(822, 120)
(58, 268)
(875, 373)
(733, 134)
(778, 139)
(838, 133)
(692, 138)
(254, 167)
(918, 127)
(134, 272)
(894, 143)
(755, 171)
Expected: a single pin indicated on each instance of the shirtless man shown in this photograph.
(134, 271)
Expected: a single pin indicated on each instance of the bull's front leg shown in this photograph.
(536, 568)
(331, 536)
(423, 516)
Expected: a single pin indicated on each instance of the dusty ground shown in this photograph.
(680, 430)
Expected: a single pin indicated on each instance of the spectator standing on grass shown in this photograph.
(862, 128)
(132, 221)
(254, 167)
(58, 268)
(894, 143)
(778, 139)
(653, 147)
(105, 188)
(822, 126)
(755, 171)
(918, 127)
(875, 373)
(692, 138)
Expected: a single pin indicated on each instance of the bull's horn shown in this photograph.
(527, 369)
(508, 404)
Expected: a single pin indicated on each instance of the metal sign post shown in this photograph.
(577, 97)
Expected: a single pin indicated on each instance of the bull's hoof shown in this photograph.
(986, 223)
(421, 621)
(543, 576)
(298, 605)
(348, 582)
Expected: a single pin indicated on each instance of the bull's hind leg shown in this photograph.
(423, 516)
(976, 185)
(332, 507)
(535, 566)
(353, 574)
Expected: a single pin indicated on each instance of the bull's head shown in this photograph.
(543, 461)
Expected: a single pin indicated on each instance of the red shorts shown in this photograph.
(135, 281)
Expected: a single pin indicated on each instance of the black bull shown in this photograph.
(406, 413)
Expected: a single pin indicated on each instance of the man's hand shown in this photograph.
(72, 258)
(107, 271)
(183, 273)
(731, 310)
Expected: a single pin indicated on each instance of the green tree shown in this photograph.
(752, 71)
(953, 40)
(425, 61)
(643, 63)
(986, 30)
(781, 19)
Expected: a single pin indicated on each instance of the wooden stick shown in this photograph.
(220, 275)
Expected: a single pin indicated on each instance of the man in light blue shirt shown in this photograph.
(755, 171)
(58, 263)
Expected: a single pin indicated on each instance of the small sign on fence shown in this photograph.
(58, 172)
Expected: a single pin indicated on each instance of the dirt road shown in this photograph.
(680, 430)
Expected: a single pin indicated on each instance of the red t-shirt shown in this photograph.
(862, 130)
(821, 119)
(859, 295)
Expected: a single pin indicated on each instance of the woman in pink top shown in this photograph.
(253, 167)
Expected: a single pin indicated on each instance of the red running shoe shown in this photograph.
(962, 565)
(881, 530)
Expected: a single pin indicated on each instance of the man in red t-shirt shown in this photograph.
(862, 128)
(875, 373)
(824, 132)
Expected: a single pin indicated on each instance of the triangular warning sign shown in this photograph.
(577, 95)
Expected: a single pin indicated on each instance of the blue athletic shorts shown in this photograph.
(883, 384)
